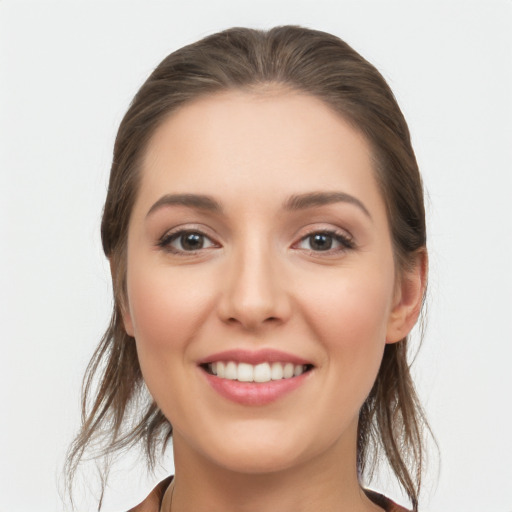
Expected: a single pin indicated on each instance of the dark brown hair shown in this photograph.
(117, 412)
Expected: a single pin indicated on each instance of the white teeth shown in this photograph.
(245, 372)
(288, 370)
(231, 371)
(263, 372)
(277, 371)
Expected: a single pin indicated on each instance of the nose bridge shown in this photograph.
(254, 293)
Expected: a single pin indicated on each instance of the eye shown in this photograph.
(186, 241)
(324, 241)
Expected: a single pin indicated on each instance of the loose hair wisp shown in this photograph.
(117, 412)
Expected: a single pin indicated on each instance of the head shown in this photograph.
(283, 62)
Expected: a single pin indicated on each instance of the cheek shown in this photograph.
(349, 316)
(166, 311)
(349, 305)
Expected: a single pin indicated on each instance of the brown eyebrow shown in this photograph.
(295, 202)
(198, 201)
(312, 199)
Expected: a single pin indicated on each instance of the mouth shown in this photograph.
(255, 377)
(260, 373)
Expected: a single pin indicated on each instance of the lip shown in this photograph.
(254, 357)
(254, 393)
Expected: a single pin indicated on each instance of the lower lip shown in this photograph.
(255, 393)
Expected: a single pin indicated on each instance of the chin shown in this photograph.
(256, 461)
(263, 450)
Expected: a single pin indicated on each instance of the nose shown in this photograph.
(254, 290)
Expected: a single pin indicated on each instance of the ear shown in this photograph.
(408, 299)
(123, 306)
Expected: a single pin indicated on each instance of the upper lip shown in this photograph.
(254, 357)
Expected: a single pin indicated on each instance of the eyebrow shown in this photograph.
(312, 199)
(197, 201)
(295, 202)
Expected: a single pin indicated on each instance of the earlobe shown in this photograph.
(408, 299)
(121, 301)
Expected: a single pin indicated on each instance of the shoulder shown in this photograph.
(383, 502)
(153, 501)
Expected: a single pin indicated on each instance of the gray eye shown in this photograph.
(191, 241)
(320, 242)
(325, 241)
(188, 241)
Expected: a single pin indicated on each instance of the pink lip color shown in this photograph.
(254, 393)
(254, 357)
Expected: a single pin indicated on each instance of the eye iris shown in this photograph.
(192, 241)
(320, 242)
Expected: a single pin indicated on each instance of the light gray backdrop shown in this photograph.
(68, 70)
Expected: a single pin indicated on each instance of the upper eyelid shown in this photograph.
(300, 234)
(186, 228)
(345, 238)
(332, 230)
(164, 242)
(336, 236)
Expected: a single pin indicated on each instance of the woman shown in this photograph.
(266, 234)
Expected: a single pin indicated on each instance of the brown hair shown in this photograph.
(116, 410)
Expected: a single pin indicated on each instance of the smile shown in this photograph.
(255, 378)
(262, 372)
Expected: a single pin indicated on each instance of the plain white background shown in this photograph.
(68, 70)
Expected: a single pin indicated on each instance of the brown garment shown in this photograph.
(154, 501)
(383, 502)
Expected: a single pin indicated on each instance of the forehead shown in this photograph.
(270, 142)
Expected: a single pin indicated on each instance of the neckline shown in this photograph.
(159, 496)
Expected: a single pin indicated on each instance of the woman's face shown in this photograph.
(258, 247)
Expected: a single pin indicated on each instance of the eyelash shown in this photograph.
(166, 241)
(346, 243)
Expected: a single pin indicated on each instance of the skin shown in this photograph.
(258, 282)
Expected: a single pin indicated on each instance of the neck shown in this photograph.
(327, 482)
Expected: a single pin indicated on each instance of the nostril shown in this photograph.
(271, 319)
